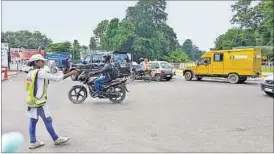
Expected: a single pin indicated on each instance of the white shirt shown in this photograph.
(42, 75)
(143, 66)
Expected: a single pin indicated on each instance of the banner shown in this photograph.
(58, 57)
(22, 55)
(4, 54)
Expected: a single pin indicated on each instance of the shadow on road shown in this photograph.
(250, 83)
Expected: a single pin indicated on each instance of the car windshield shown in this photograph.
(165, 65)
(153, 65)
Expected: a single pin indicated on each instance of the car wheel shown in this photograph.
(188, 76)
(269, 94)
(233, 78)
(168, 79)
(158, 77)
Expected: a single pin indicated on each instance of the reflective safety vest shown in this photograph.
(31, 87)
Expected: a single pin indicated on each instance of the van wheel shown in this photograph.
(233, 78)
(242, 79)
(199, 78)
(188, 76)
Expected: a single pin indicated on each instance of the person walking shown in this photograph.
(36, 85)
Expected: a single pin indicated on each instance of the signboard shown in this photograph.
(4, 54)
(20, 55)
(58, 57)
(238, 57)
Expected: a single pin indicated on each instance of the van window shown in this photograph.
(203, 60)
(218, 57)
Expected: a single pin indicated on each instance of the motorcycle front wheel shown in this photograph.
(120, 91)
(76, 92)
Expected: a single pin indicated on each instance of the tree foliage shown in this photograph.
(177, 56)
(25, 39)
(60, 46)
(193, 52)
(92, 43)
(76, 49)
(142, 32)
(255, 26)
(100, 31)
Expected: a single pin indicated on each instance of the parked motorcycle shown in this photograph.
(115, 90)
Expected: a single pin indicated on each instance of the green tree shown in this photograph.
(26, 39)
(143, 32)
(255, 26)
(60, 46)
(76, 49)
(108, 42)
(235, 37)
(177, 56)
(84, 47)
(92, 43)
(187, 47)
(123, 39)
(100, 31)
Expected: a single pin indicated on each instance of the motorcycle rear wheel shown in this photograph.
(78, 91)
(119, 99)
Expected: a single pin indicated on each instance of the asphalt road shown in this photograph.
(175, 116)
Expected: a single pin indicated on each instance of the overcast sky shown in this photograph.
(200, 21)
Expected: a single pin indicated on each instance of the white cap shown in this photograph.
(37, 57)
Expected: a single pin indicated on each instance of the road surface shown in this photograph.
(175, 116)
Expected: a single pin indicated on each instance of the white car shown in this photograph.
(26, 68)
(267, 85)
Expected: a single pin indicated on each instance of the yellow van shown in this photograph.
(235, 65)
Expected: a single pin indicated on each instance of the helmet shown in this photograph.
(141, 59)
(107, 57)
(36, 57)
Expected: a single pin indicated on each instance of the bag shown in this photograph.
(114, 73)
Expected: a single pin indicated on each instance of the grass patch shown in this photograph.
(267, 69)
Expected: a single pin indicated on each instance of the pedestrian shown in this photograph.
(36, 85)
(65, 63)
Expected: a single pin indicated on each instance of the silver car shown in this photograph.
(267, 85)
(160, 70)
